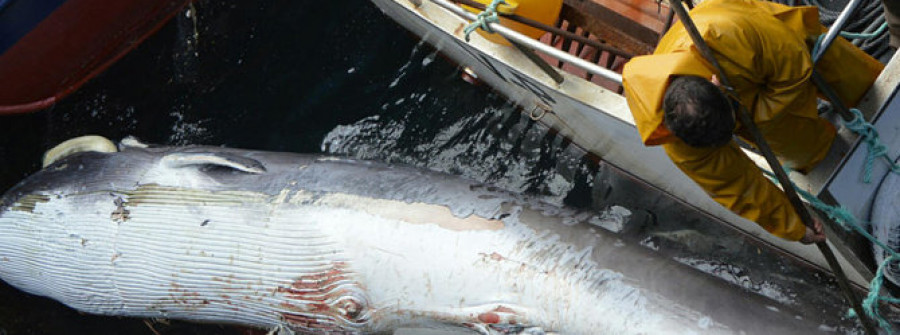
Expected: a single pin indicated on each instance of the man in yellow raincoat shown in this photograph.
(764, 49)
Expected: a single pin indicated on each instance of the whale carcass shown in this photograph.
(320, 244)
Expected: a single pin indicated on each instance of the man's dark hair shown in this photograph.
(698, 112)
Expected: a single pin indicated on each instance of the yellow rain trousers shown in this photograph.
(764, 50)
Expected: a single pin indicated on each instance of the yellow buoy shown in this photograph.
(543, 11)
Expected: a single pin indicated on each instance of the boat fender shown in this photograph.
(885, 220)
(543, 11)
(79, 144)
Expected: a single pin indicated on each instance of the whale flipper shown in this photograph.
(221, 159)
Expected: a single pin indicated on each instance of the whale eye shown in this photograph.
(352, 308)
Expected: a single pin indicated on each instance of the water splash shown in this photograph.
(187, 132)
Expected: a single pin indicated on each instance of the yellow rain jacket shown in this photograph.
(763, 49)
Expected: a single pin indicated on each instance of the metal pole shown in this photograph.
(831, 95)
(819, 81)
(514, 36)
(786, 184)
(836, 29)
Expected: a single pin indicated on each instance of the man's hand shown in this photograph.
(814, 235)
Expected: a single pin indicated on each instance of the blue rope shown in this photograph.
(849, 222)
(876, 149)
(817, 45)
(851, 35)
(870, 304)
(843, 217)
(865, 130)
(865, 36)
(489, 15)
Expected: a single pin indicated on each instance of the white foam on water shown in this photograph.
(730, 273)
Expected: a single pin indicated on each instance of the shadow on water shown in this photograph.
(341, 78)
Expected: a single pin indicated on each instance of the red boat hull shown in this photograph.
(74, 43)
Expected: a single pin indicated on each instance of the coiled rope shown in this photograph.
(865, 36)
(489, 15)
(866, 27)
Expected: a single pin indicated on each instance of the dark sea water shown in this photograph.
(339, 77)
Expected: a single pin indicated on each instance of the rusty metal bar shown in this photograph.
(567, 42)
(581, 46)
(596, 60)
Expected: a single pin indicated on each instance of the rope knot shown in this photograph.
(489, 15)
(869, 135)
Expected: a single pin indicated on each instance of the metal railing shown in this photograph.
(535, 45)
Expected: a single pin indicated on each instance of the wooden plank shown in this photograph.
(624, 25)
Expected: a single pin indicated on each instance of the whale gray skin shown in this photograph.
(329, 245)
